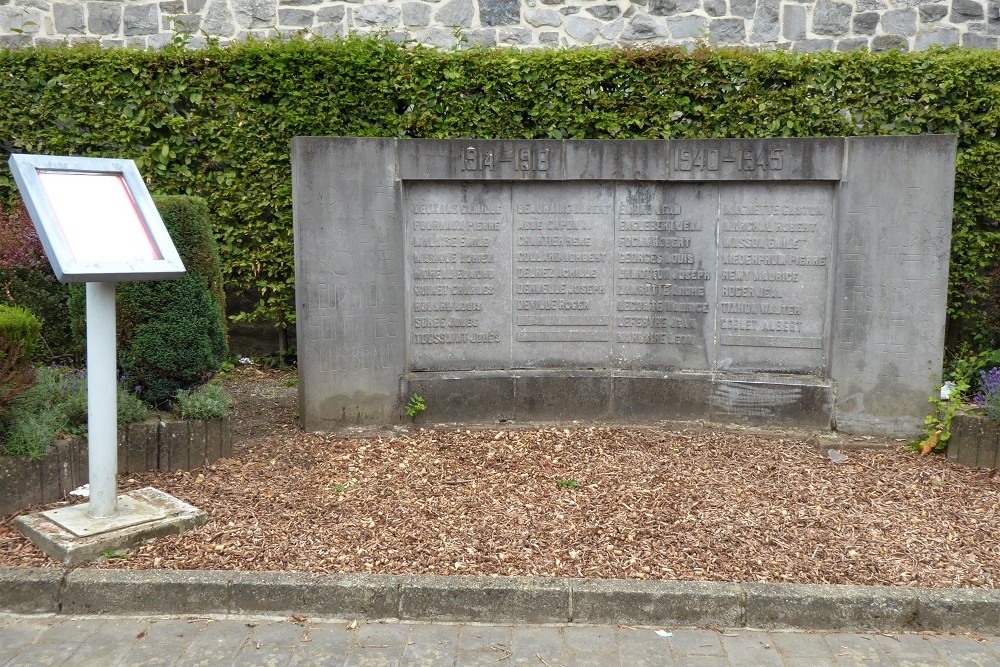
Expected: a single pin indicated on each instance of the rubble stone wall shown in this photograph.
(802, 25)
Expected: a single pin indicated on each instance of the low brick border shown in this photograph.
(143, 446)
(975, 441)
(508, 600)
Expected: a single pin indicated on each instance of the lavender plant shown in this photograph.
(988, 397)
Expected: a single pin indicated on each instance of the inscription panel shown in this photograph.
(563, 243)
(665, 268)
(774, 262)
(459, 270)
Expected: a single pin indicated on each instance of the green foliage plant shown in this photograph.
(937, 425)
(415, 406)
(172, 333)
(568, 484)
(217, 122)
(209, 401)
(20, 333)
(55, 406)
(26, 279)
(966, 366)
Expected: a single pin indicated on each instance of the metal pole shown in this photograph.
(102, 400)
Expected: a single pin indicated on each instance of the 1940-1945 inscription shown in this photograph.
(728, 266)
(626, 274)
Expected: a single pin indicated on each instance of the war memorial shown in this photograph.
(778, 281)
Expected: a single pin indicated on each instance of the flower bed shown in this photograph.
(143, 446)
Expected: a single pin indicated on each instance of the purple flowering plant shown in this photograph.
(988, 397)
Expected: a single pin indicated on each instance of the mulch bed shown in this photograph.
(614, 502)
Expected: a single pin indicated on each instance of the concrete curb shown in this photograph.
(508, 600)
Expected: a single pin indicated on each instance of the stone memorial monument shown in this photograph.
(798, 281)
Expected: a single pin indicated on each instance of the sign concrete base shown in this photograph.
(70, 536)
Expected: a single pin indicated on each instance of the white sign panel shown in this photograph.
(95, 218)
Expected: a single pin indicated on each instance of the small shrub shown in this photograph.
(27, 279)
(172, 333)
(209, 401)
(988, 397)
(20, 332)
(56, 406)
(937, 425)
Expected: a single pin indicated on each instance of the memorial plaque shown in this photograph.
(563, 244)
(665, 274)
(774, 247)
(459, 266)
(792, 281)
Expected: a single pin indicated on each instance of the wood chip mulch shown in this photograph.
(611, 502)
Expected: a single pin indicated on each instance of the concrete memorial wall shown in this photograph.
(798, 281)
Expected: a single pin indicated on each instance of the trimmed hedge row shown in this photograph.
(217, 122)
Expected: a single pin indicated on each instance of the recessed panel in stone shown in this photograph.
(774, 261)
(563, 295)
(665, 260)
(459, 273)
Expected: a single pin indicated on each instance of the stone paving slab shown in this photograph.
(241, 640)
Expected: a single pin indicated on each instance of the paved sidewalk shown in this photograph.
(81, 641)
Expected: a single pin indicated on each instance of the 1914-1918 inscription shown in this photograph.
(631, 275)
(797, 280)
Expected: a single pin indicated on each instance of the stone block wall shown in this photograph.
(802, 25)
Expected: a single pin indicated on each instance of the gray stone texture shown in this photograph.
(880, 394)
(581, 29)
(852, 44)
(766, 22)
(794, 22)
(380, 15)
(334, 14)
(499, 12)
(542, 16)
(611, 30)
(743, 8)
(671, 7)
(871, 5)
(218, 19)
(889, 43)
(831, 18)
(416, 14)
(514, 36)
(103, 18)
(547, 226)
(68, 18)
(931, 13)
(936, 37)
(296, 18)
(974, 41)
(141, 19)
(715, 7)
(727, 31)
(455, 13)
(966, 10)
(604, 12)
(252, 14)
(865, 23)
(643, 27)
(900, 22)
(685, 27)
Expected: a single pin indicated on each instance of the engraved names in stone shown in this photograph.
(459, 266)
(774, 249)
(563, 243)
(664, 271)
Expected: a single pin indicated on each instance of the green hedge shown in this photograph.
(217, 122)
